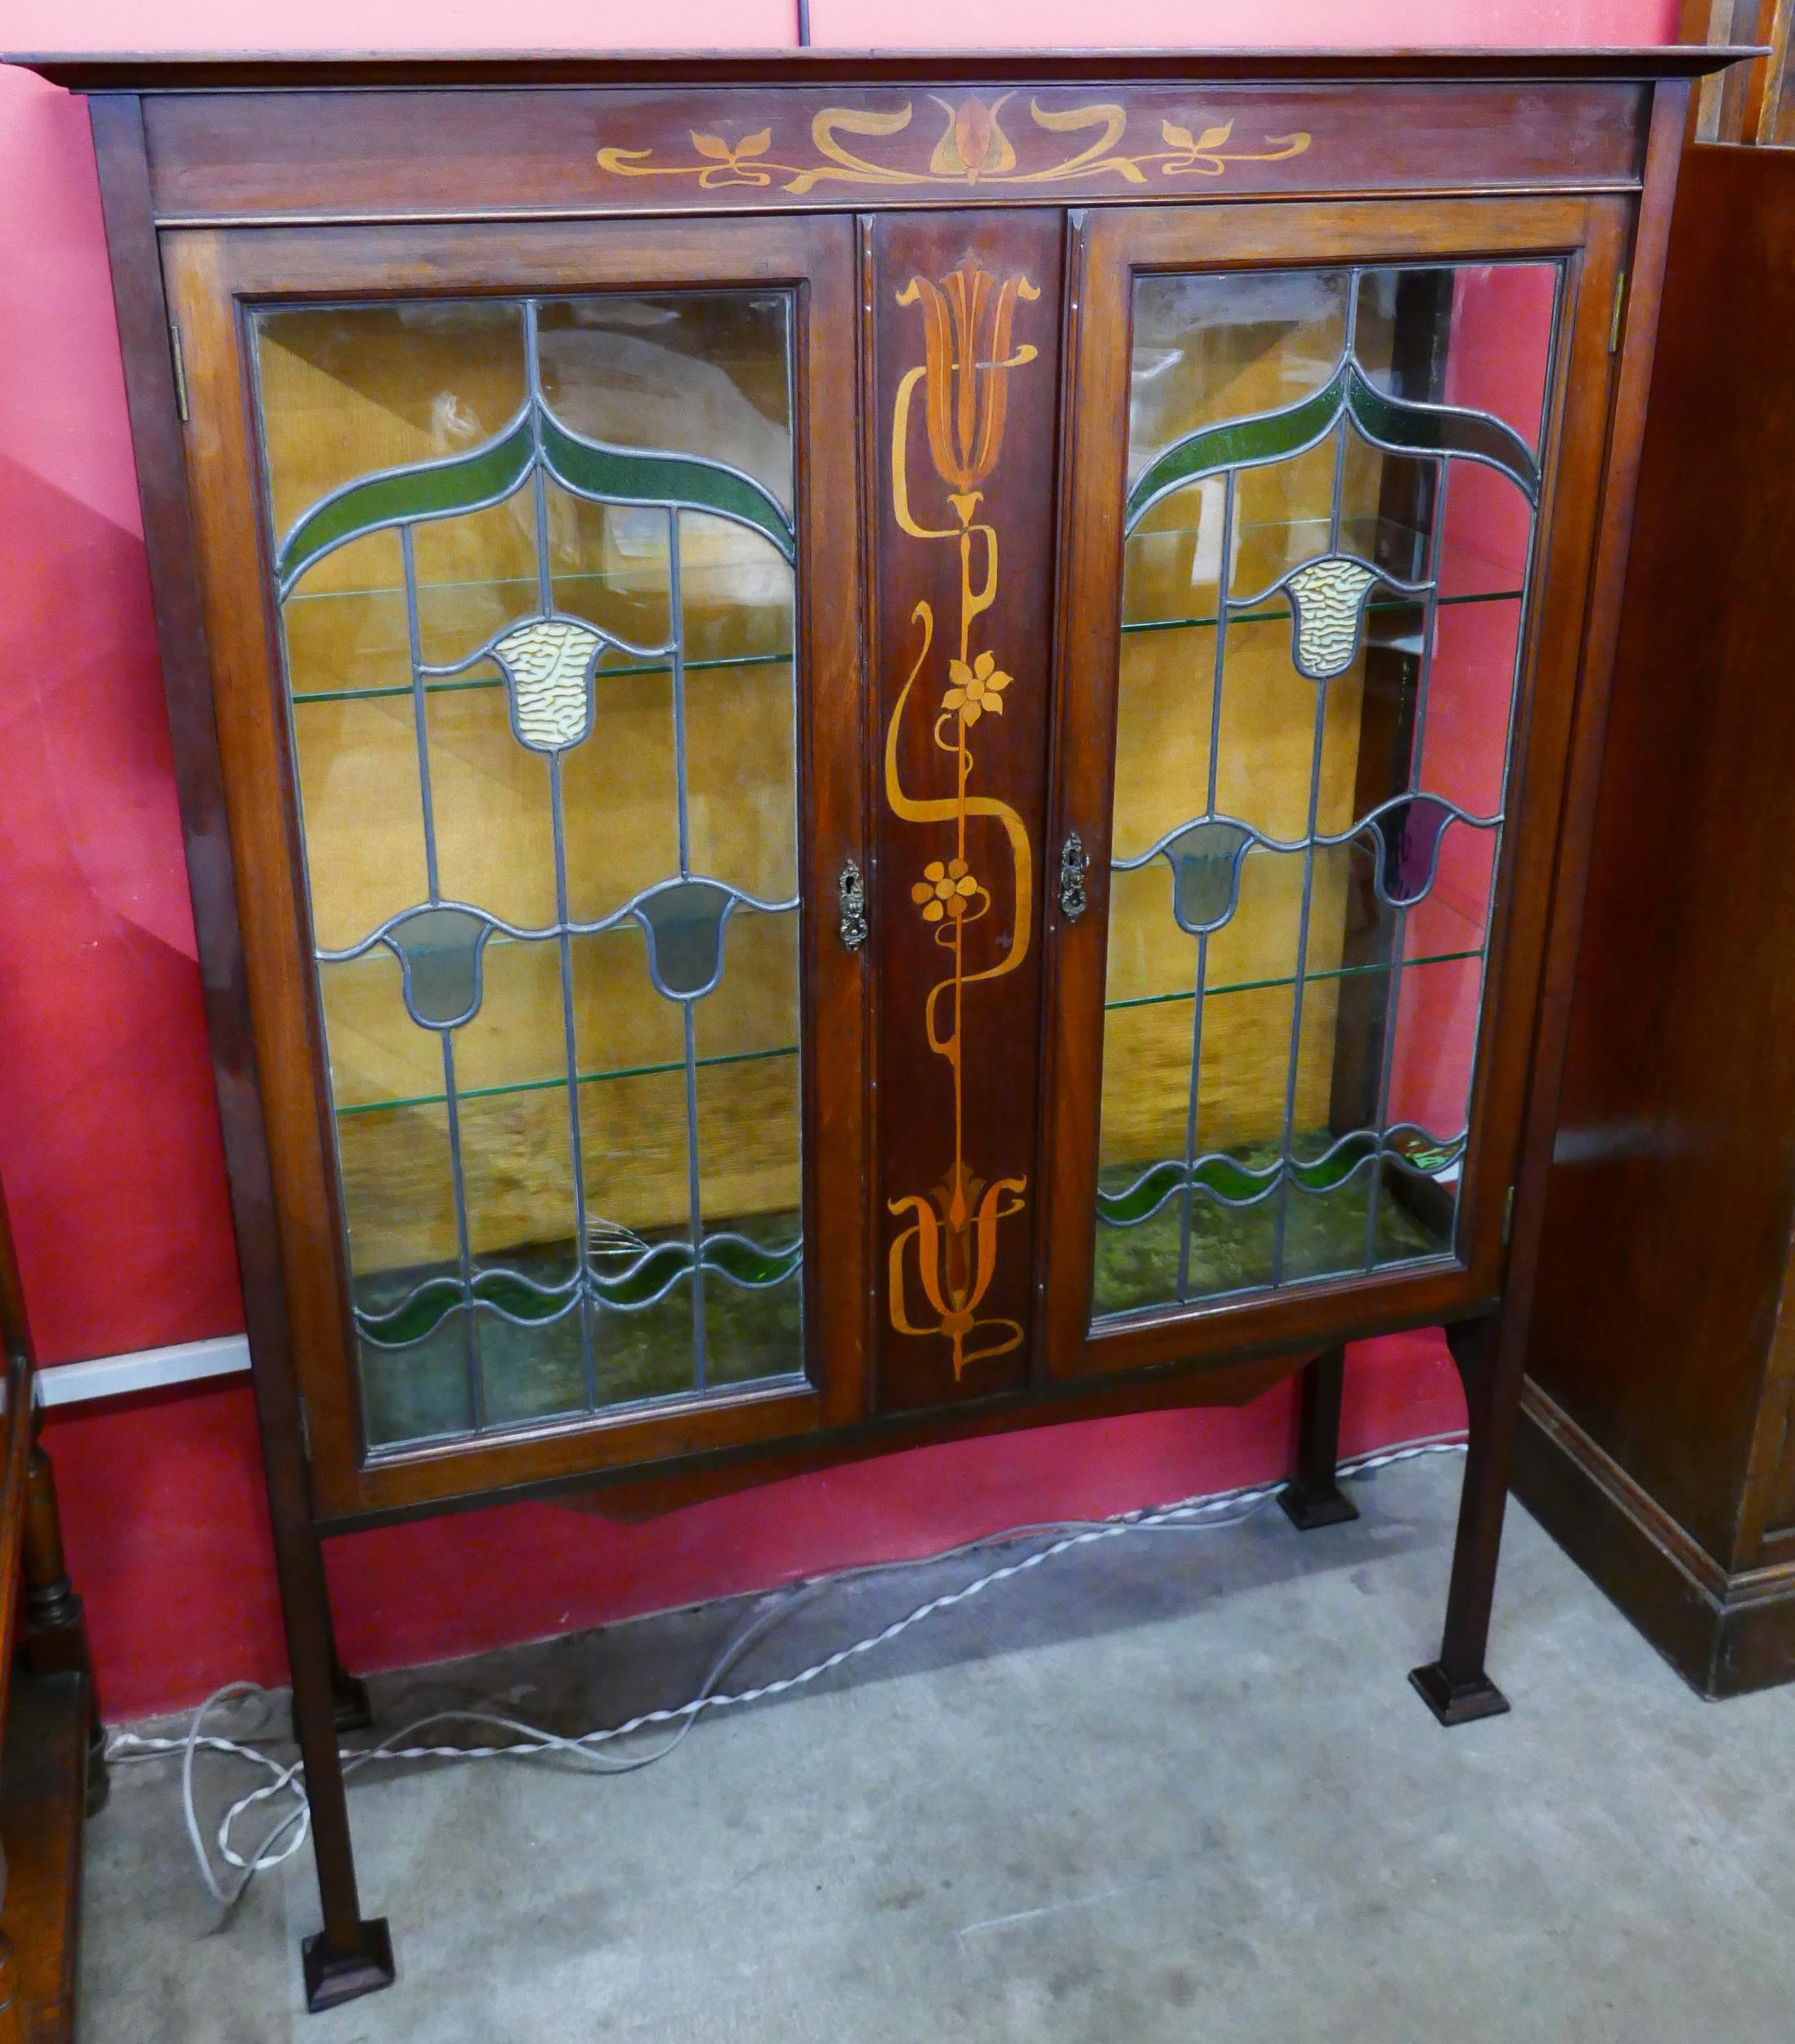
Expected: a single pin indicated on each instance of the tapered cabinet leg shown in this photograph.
(12, 2029)
(55, 1633)
(351, 1710)
(350, 1956)
(349, 1694)
(1313, 1497)
(1457, 1688)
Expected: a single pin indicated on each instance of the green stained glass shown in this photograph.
(1386, 422)
(1238, 1184)
(1236, 443)
(630, 475)
(1441, 429)
(742, 1262)
(429, 489)
(1223, 1175)
(606, 475)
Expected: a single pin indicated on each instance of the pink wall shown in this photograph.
(109, 1145)
(567, 24)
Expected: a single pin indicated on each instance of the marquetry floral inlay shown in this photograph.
(973, 148)
(944, 1255)
(976, 689)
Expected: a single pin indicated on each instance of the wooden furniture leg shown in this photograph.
(56, 1633)
(1313, 1497)
(348, 1692)
(54, 1772)
(1456, 1687)
(12, 1997)
(349, 1957)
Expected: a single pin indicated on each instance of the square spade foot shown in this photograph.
(1457, 1702)
(335, 1977)
(1306, 1510)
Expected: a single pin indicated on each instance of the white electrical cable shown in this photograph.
(1189, 1515)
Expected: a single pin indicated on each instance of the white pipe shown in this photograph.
(142, 1369)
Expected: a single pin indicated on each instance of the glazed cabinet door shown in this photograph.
(529, 566)
(1331, 499)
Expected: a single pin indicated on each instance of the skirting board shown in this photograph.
(141, 1369)
(1724, 1633)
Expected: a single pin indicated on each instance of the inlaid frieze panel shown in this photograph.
(984, 141)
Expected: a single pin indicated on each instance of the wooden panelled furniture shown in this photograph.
(52, 1766)
(1656, 1442)
(874, 749)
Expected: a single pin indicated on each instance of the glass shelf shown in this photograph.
(1289, 979)
(549, 1085)
(1172, 559)
(1281, 613)
(455, 684)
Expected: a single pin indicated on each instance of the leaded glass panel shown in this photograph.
(1333, 477)
(535, 569)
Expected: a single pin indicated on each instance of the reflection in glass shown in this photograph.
(1332, 482)
(535, 561)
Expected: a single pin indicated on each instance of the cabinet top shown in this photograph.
(126, 71)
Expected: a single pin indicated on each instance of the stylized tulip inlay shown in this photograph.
(971, 145)
(967, 358)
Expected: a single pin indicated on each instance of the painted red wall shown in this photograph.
(109, 1144)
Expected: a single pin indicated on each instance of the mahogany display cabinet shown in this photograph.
(874, 749)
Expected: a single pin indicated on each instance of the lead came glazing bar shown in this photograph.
(1398, 942)
(1224, 578)
(470, 1333)
(1281, 1221)
(695, 1214)
(557, 824)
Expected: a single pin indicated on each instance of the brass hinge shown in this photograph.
(1615, 319)
(1508, 1217)
(180, 366)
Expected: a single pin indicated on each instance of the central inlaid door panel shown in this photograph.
(965, 318)
(1312, 533)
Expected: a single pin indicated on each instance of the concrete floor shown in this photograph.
(1169, 1788)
